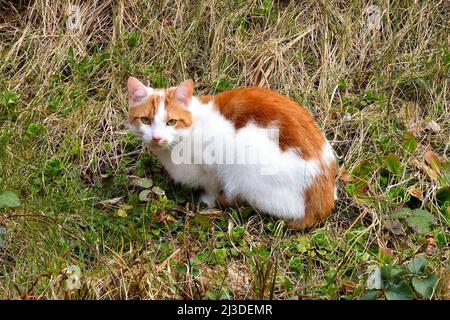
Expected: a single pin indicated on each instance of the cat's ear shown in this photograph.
(184, 91)
(137, 91)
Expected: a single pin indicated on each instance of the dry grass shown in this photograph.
(64, 145)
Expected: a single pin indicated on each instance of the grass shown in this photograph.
(381, 97)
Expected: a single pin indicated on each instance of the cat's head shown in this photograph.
(160, 117)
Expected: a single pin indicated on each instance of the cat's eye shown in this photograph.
(146, 120)
(171, 122)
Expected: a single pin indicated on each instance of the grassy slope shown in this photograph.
(64, 146)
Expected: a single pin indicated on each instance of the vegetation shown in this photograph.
(79, 196)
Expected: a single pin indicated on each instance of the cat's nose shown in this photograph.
(156, 138)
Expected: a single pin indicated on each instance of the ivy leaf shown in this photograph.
(392, 162)
(389, 272)
(158, 191)
(401, 213)
(370, 295)
(425, 286)
(220, 255)
(421, 220)
(401, 291)
(417, 266)
(410, 143)
(144, 195)
(142, 182)
(9, 199)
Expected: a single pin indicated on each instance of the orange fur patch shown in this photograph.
(146, 108)
(176, 110)
(319, 199)
(298, 130)
(265, 107)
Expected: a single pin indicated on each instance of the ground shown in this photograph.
(75, 222)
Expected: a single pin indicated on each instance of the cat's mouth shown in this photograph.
(163, 144)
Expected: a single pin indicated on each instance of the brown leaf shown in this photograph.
(211, 213)
(433, 126)
(348, 286)
(433, 159)
(345, 177)
(431, 246)
(416, 192)
(393, 226)
(387, 251)
(110, 202)
(422, 166)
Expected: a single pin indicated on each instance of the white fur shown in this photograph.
(278, 192)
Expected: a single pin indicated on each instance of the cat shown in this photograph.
(294, 174)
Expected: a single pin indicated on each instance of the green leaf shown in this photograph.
(121, 213)
(421, 220)
(370, 295)
(9, 199)
(424, 286)
(410, 143)
(2, 235)
(142, 182)
(158, 191)
(220, 255)
(417, 266)
(389, 272)
(401, 213)
(144, 195)
(443, 194)
(392, 162)
(402, 291)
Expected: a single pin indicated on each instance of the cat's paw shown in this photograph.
(208, 199)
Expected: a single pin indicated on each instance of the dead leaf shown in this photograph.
(212, 213)
(121, 213)
(433, 126)
(110, 202)
(422, 166)
(345, 177)
(348, 286)
(164, 216)
(165, 262)
(431, 246)
(416, 192)
(125, 206)
(393, 226)
(238, 276)
(433, 159)
(387, 251)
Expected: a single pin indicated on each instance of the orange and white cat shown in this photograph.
(300, 185)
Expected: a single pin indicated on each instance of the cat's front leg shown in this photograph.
(211, 190)
(227, 201)
(208, 198)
